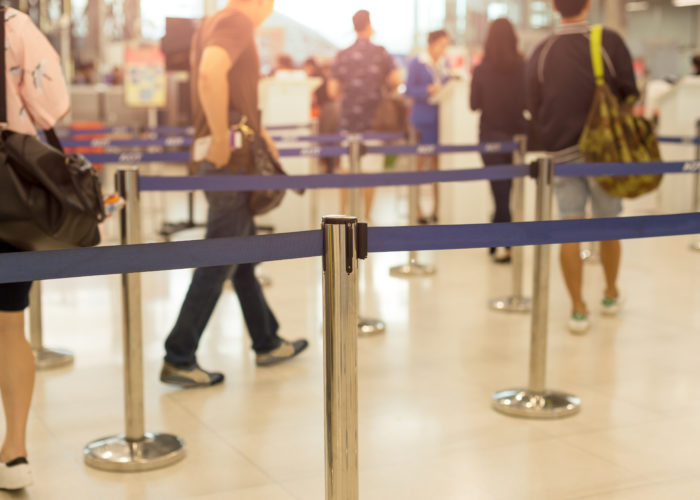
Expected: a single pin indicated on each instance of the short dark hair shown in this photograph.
(361, 20)
(434, 36)
(570, 8)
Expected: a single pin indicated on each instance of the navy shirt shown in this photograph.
(561, 84)
(500, 95)
(362, 71)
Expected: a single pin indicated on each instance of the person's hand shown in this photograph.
(219, 152)
(433, 89)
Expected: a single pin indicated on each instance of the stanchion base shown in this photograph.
(118, 454)
(47, 359)
(512, 304)
(412, 270)
(695, 246)
(371, 327)
(528, 404)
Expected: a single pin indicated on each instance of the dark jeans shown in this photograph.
(500, 189)
(229, 216)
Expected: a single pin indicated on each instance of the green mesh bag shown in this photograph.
(614, 135)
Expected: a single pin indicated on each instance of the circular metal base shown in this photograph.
(412, 270)
(117, 454)
(512, 304)
(371, 327)
(46, 358)
(528, 404)
(695, 246)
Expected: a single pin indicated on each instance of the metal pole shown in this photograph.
(413, 268)
(135, 450)
(340, 357)
(46, 358)
(367, 326)
(696, 191)
(536, 401)
(517, 302)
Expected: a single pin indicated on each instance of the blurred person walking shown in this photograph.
(561, 86)
(427, 74)
(359, 76)
(36, 97)
(498, 91)
(225, 72)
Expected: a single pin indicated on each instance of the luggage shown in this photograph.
(613, 135)
(48, 200)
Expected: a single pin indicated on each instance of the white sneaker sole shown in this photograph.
(15, 478)
(579, 328)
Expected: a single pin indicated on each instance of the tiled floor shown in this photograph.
(426, 427)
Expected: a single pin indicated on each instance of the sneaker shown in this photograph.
(611, 307)
(193, 376)
(501, 255)
(579, 323)
(15, 475)
(286, 350)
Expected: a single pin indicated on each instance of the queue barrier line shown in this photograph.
(74, 263)
(185, 141)
(435, 149)
(330, 181)
(327, 181)
(680, 140)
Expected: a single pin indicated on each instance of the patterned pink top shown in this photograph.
(36, 90)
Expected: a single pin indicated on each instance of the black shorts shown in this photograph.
(14, 297)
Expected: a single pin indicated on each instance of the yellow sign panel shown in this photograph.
(145, 81)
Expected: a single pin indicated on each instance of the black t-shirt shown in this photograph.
(500, 95)
(561, 85)
(232, 31)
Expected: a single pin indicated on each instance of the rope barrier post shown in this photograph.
(536, 401)
(340, 285)
(367, 326)
(696, 191)
(46, 358)
(413, 268)
(135, 450)
(517, 302)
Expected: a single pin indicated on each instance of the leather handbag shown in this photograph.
(614, 135)
(48, 200)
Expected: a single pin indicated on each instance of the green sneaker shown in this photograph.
(611, 307)
(578, 323)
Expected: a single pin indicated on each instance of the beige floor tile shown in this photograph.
(687, 489)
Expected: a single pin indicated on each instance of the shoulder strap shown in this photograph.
(597, 54)
(3, 70)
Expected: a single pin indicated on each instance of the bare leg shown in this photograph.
(610, 255)
(369, 202)
(16, 383)
(421, 165)
(572, 267)
(436, 187)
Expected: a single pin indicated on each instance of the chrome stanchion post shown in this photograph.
(536, 401)
(46, 358)
(367, 326)
(696, 189)
(135, 450)
(413, 268)
(340, 357)
(517, 302)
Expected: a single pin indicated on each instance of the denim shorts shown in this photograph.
(573, 194)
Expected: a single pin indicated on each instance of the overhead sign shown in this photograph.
(145, 80)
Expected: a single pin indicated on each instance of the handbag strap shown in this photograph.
(597, 54)
(3, 72)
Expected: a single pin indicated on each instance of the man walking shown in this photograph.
(359, 75)
(225, 73)
(561, 86)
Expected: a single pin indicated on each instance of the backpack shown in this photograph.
(612, 134)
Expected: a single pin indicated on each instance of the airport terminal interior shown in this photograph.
(437, 348)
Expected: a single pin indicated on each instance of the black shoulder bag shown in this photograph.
(48, 200)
